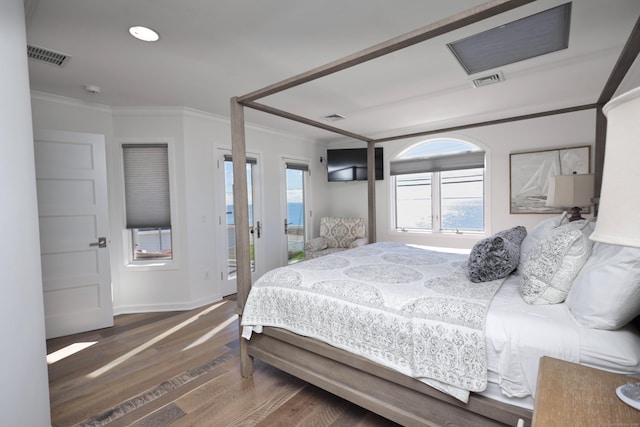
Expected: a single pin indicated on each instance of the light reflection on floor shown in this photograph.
(68, 351)
(151, 342)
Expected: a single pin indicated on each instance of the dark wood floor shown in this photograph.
(182, 369)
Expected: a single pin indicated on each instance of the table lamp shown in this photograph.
(571, 191)
(619, 205)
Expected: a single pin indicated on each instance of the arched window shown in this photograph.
(439, 187)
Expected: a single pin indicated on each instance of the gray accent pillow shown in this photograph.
(497, 256)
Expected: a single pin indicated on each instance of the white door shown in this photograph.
(72, 205)
(226, 221)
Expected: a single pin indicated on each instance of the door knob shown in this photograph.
(101, 243)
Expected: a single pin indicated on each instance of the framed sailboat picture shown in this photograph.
(530, 173)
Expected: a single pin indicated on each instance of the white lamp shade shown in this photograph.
(568, 191)
(618, 222)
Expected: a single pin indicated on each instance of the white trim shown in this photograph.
(199, 114)
(73, 102)
(180, 306)
(141, 111)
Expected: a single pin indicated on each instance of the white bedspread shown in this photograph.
(406, 308)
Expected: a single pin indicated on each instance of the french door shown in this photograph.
(227, 222)
(295, 223)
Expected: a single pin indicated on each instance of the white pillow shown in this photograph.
(546, 228)
(552, 265)
(606, 293)
(541, 231)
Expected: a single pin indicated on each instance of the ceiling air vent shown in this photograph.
(47, 55)
(334, 117)
(488, 80)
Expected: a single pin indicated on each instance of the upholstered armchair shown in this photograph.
(336, 234)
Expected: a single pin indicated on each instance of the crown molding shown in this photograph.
(152, 111)
(72, 102)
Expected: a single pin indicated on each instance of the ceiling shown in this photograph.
(210, 51)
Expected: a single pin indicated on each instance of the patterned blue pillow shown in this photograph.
(497, 256)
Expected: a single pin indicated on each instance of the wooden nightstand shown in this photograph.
(574, 395)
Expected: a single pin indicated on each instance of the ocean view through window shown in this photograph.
(439, 186)
(232, 268)
(295, 213)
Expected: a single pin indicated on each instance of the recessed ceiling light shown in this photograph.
(92, 89)
(144, 33)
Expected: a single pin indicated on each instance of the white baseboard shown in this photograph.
(177, 306)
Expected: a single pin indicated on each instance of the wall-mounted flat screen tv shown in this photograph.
(350, 164)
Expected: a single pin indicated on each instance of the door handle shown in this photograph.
(258, 229)
(101, 243)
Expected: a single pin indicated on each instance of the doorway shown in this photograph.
(295, 224)
(227, 221)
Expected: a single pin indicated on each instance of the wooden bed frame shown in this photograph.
(379, 389)
(386, 392)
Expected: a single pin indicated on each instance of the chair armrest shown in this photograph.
(359, 242)
(316, 244)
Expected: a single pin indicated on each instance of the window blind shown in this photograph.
(250, 160)
(297, 166)
(458, 161)
(146, 182)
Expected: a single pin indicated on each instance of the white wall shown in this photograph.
(196, 138)
(24, 400)
(499, 141)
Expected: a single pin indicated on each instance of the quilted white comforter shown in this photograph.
(406, 308)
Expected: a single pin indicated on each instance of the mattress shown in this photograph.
(517, 334)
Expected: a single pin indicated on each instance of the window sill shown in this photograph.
(151, 265)
(444, 233)
(444, 239)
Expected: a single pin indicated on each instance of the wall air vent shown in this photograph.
(46, 55)
(334, 117)
(488, 80)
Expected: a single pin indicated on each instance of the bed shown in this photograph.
(511, 363)
(403, 331)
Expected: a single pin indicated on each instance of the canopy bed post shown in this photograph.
(371, 187)
(601, 139)
(241, 219)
